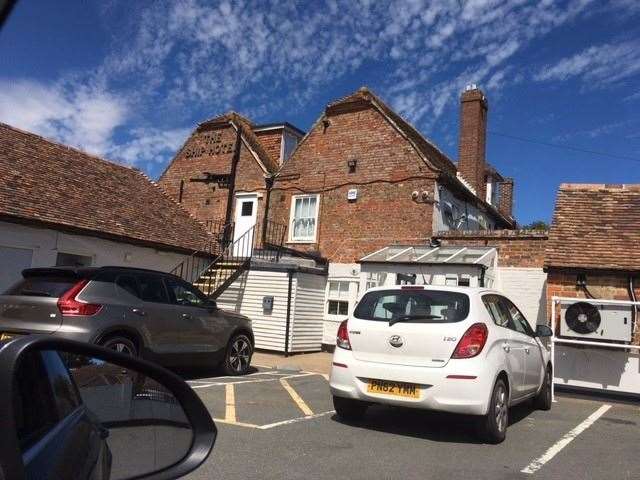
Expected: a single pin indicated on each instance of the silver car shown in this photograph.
(141, 312)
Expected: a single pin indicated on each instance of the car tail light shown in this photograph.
(70, 306)
(342, 340)
(472, 342)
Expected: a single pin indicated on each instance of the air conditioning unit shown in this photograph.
(596, 322)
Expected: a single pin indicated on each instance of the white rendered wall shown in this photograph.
(46, 243)
(527, 288)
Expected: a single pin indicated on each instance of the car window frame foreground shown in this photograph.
(11, 457)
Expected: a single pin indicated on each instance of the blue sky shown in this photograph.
(129, 80)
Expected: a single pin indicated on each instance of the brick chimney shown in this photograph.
(473, 137)
(505, 204)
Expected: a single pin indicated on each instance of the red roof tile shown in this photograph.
(595, 226)
(47, 183)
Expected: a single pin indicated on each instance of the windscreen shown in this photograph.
(422, 305)
(49, 286)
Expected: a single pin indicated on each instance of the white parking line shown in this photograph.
(260, 380)
(565, 440)
(294, 420)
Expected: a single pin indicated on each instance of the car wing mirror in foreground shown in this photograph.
(78, 411)
(543, 331)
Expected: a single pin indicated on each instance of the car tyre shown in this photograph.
(349, 409)
(237, 359)
(543, 399)
(120, 344)
(493, 426)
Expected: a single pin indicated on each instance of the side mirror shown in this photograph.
(543, 331)
(211, 304)
(74, 410)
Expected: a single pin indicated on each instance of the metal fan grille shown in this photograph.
(583, 318)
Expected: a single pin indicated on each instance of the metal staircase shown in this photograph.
(214, 271)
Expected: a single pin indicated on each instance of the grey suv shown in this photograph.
(140, 312)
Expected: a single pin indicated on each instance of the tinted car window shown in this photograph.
(520, 323)
(129, 284)
(497, 310)
(152, 289)
(181, 293)
(425, 305)
(34, 408)
(65, 393)
(41, 286)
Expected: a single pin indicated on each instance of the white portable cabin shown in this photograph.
(285, 303)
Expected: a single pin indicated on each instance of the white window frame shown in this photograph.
(293, 239)
(350, 297)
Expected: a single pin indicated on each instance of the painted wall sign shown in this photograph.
(209, 143)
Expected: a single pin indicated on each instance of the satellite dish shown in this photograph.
(583, 318)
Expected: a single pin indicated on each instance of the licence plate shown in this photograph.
(397, 389)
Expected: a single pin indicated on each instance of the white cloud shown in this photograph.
(80, 116)
(596, 66)
(149, 146)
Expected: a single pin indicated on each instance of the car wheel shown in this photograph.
(543, 399)
(493, 426)
(349, 409)
(238, 356)
(120, 344)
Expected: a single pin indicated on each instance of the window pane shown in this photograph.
(343, 308)
(334, 289)
(65, 394)
(247, 209)
(182, 294)
(152, 289)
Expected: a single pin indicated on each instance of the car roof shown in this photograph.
(84, 272)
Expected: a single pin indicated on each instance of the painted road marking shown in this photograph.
(296, 398)
(565, 440)
(295, 420)
(230, 403)
(259, 380)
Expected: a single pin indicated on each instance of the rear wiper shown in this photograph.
(34, 293)
(408, 318)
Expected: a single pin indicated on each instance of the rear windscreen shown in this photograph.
(41, 286)
(421, 305)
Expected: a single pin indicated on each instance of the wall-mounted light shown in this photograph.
(352, 165)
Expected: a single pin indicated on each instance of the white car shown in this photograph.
(454, 349)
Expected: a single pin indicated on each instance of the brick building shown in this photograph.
(593, 243)
(222, 173)
(362, 178)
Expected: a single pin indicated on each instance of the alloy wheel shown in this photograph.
(120, 347)
(501, 410)
(240, 354)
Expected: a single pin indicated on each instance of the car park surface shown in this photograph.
(267, 430)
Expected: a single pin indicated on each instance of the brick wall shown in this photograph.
(516, 248)
(271, 141)
(611, 286)
(388, 170)
(211, 150)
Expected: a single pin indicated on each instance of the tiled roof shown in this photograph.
(596, 227)
(46, 183)
(271, 164)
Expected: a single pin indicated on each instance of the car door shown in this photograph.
(155, 313)
(55, 431)
(512, 347)
(203, 327)
(518, 346)
(532, 349)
